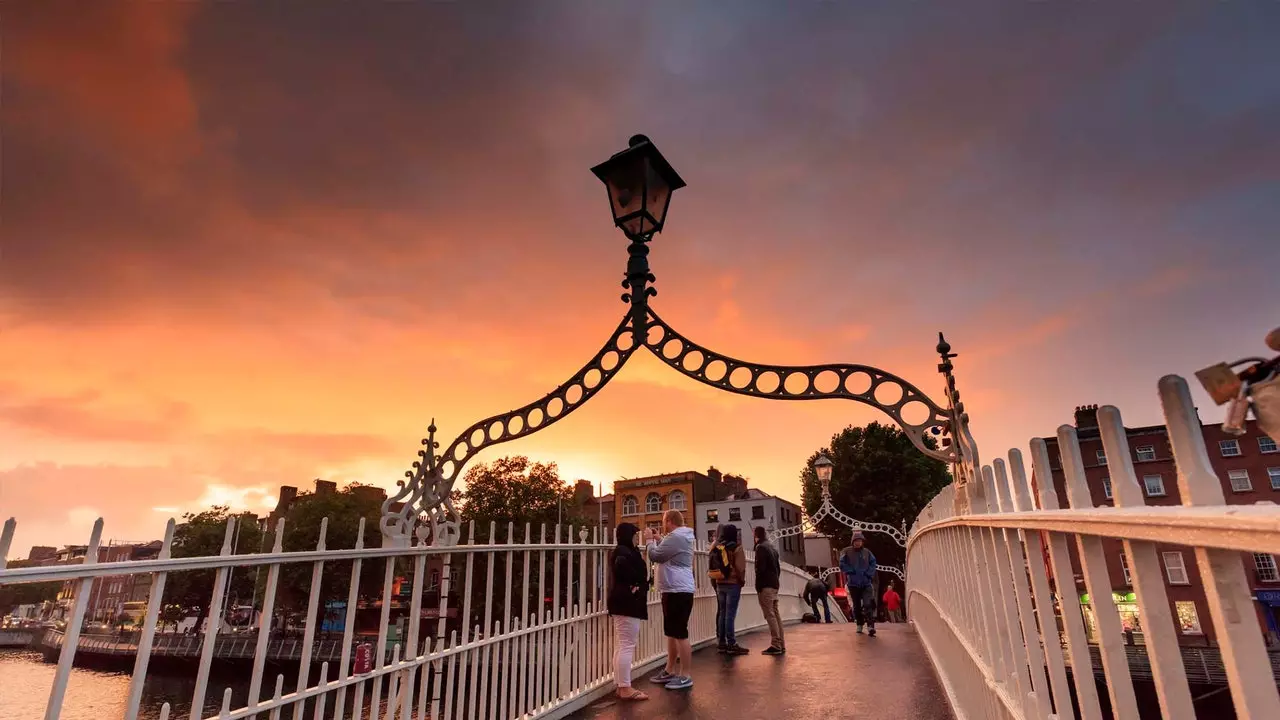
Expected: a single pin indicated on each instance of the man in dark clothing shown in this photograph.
(859, 566)
(768, 581)
(814, 591)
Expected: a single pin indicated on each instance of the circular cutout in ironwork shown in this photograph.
(515, 425)
(591, 379)
(477, 438)
(693, 361)
(536, 417)
(768, 381)
(827, 382)
(609, 360)
(656, 335)
(555, 406)
(740, 378)
(915, 413)
(460, 452)
(672, 349)
(797, 383)
(447, 468)
(715, 370)
(858, 382)
(624, 341)
(495, 430)
(573, 395)
(888, 393)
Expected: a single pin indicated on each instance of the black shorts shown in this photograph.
(676, 609)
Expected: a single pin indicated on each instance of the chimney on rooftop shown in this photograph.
(1087, 416)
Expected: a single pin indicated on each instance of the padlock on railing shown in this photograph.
(1256, 387)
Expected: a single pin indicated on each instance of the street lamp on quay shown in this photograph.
(640, 182)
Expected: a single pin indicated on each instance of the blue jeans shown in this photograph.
(813, 605)
(727, 596)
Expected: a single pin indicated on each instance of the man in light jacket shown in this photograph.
(674, 556)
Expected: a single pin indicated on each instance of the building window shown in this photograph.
(630, 506)
(1274, 474)
(652, 503)
(1229, 448)
(676, 500)
(1106, 487)
(1146, 452)
(735, 514)
(1175, 569)
(1266, 565)
(1240, 480)
(435, 580)
(1124, 565)
(711, 536)
(713, 516)
(1266, 444)
(1188, 621)
(1154, 485)
(757, 512)
(1102, 457)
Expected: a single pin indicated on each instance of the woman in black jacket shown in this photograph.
(628, 605)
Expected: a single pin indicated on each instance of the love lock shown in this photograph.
(1266, 406)
(1256, 386)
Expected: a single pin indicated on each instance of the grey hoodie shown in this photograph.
(675, 554)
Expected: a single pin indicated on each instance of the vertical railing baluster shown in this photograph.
(509, 667)
(214, 620)
(1040, 586)
(71, 638)
(1244, 654)
(1093, 563)
(393, 687)
(986, 604)
(451, 676)
(1161, 635)
(313, 607)
(322, 696)
(155, 599)
(1065, 581)
(348, 624)
(446, 586)
(265, 624)
(415, 621)
(380, 651)
(489, 556)
(1005, 609)
(6, 540)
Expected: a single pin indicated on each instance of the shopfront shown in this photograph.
(1270, 601)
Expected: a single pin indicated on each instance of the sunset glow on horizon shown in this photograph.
(248, 245)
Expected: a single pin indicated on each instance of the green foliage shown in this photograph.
(878, 476)
(12, 596)
(514, 490)
(200, 535)
(344, 510)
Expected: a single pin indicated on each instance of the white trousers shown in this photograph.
(626, 633)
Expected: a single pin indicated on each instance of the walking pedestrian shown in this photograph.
(628, 606)
(727, 568)
(859, 566)
(768, 582)
(674, 555)
(816, 590)
(892, 604)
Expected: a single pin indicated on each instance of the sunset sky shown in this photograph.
(251, 244)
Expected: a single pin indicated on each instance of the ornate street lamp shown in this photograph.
(822, 466)
(640, 183)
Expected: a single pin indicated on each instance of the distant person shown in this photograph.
(628, 606)
(674, 554)
(892, 604)
(715, 589)
(859, 566)
(727, 568)
(768, 582)
(814, 591)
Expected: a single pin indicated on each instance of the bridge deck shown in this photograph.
(829, 672)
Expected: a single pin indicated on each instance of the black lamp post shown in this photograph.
(640, 182)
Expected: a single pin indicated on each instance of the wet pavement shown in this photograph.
(829, 672)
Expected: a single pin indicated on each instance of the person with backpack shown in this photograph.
(727, 568)
(768, 582)
(859, 566)
(628, 606)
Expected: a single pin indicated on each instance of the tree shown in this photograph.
(12, 596)
(302, 532)
(879, 476)
(201, 535)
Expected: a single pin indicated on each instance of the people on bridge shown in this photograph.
(892, 604)
(628, 606)
(814, 591)
(768, 582)
(727, 568)
(674, 556)
(859, 566)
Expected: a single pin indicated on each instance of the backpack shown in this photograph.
(720, 567)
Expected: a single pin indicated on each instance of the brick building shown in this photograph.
(642, 501)
(1248, 468)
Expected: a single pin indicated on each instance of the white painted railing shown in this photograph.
(536, 644)
(979, 587)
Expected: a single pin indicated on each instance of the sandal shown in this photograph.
(633, 697)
